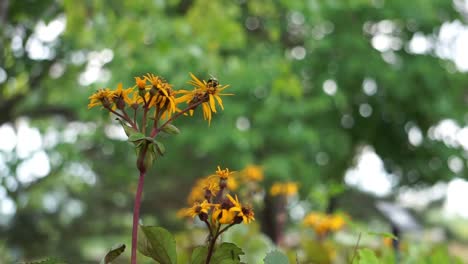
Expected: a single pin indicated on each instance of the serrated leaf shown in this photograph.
(158, 244)
(171, 129)
(367, 256)
(113, 253)
(136, 137)
(276, 257)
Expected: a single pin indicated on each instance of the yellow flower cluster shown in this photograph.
(284, 189)
(216, 205)
(324, 223)
(151, 91)
(210, 185)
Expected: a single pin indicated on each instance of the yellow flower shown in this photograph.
(247, 214)
(223, 174)
(286, 189)
(204, 188)
(324, 223)
(197, 209)
(101, 97)
(135, 100)
(209, 92)
(161, 95)
(223, 216)
(232, 184)
(253, 173)
(140, 83)
(120, 96)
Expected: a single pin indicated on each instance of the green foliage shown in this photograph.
(367, 256)
(292, 122)
(226, 253)
(158, 244)
(113, 253)
(47, 261)
(276, 257)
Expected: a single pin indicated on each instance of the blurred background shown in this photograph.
(362, 103)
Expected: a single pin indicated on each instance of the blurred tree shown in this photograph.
(315, 82)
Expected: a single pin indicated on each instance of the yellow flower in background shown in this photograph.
(324, 223)
(208, 186)
(286, 189)
(101, 97)
(336, 222)
(252, 173)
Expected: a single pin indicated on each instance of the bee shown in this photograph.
(212, 82)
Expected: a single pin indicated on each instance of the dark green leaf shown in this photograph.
(113, 253)
(199, 255)
(158, 244)
(226, 253)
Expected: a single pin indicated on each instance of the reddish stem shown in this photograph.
(136, 216)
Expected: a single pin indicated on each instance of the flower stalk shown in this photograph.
(153, 93)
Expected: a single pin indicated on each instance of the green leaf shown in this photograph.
(276, 257)
(383, 234)
(199, 255)
(113, 253)
(171, 129)
(160, 147)
(226, 253)
(367, 256)
(136, 137)
(158, 244)
(128, 129)
(46, 261)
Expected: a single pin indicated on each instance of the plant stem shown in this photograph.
(212, 243)
(136, 216)
(213, 240)
(155, 130)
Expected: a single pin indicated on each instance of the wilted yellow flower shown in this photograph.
(101, 97)
(120, 97)
(286, 189)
